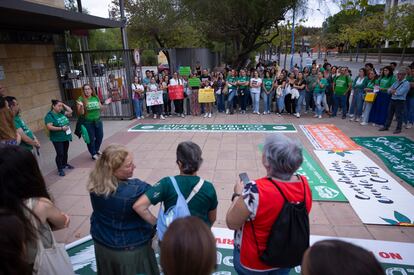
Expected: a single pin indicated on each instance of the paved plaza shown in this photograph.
(225, 156)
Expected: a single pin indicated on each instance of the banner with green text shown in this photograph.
(395, 257)
(396, 152)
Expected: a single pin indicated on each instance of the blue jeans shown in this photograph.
(220, 102)
(339, 100)
(301, 100)
(367, 111)
(318, 98)
(243, 271)
(267, 100)
(95, 132)
(309, 100)
(138, 107)
(357, 103)
(409, 110)
(280, 103)
(230, 99)
(255, 101)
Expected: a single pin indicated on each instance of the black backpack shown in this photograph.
(289, 236)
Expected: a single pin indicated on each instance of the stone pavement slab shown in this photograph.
(225, 156)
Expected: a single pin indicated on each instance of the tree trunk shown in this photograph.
(402, 56)
(350, 54)
(365, 55)
(167, 55)
(284, 63)
(379, 54)
(357, 53)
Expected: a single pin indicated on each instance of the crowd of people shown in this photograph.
(123, 226)
(322, 90)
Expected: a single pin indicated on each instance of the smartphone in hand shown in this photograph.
(244, 178)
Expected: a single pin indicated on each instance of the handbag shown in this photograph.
(370, 97)
(53, 260)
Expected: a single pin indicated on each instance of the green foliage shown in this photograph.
(149, 58)
(106, 39)
(400, 24)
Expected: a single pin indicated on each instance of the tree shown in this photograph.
(400, 26)
(244, 25)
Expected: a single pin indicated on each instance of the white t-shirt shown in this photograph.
(135, 87)
(176, 82)
(256, 81)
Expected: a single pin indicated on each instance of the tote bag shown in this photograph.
(53, 260)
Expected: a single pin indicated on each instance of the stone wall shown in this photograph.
(53, 3)
(30, 76)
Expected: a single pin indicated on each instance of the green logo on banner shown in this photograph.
(213, 128)
(397, 153)
(322, 186)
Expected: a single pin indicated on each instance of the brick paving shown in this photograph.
(225, 156)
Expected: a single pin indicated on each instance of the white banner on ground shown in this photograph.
(374, 195)
(154, 98)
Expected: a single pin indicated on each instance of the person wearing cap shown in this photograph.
(398, 91)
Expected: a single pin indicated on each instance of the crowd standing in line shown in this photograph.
(321, 89)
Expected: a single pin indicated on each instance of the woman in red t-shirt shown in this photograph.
(259, 201)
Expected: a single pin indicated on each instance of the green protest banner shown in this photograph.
(322, 186)
(194, 82)
(397, 153)
(258, 128)
(184, 70)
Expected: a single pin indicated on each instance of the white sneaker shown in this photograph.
(206, 115)
(351, 118)
(182, 115)
(315, 116)
(297, 115)
(139, 117)
(268, 112)
(209, 114)
(363, 123)
(227, 111)
(162, 117)
(357, 120)
(319, 116)
(142, 117)
(155, 116)
(409, 126)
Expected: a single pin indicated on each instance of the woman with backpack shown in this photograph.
(257, 206)
(122, 239)
(203, 198)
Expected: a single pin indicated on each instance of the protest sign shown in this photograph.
(394, 257)
(194, 82)
(375, 196)
(328, 137)
(176, 92)
(154, 98)
(206, 95)
(396, 152)
(184, 70)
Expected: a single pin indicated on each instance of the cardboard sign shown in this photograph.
(394, 257)
(328, 137)
(396, 152)
(176, 92)
(375, 196)
(194, 82)
(184, 70)
(154, 98)
(206, 95)
(229, 128)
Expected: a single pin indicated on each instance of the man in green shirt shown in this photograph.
(231, 83)
(28, 138)
(341, 87)
(243, 83)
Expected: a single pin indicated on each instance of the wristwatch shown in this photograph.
(235, 195)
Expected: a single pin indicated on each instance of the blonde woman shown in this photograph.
(122, 238)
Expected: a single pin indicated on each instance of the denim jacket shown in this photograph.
(114, 223)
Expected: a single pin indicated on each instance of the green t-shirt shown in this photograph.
(311, 80)
(318, 89)
(385, 83)
(267, 82)
(243, 79)
(93, 108)
(202, 203)
(371, 84)
(232, 79)
(411, 80)
(58, 120)
(19, 123)
(342, 84)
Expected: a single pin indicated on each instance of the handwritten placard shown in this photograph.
(154, 98)
(176, 92)
(374, 195)
(206, 95)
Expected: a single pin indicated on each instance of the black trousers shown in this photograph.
(396, 107)
(178, 105)
(61, 149)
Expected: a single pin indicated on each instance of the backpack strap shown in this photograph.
(177, 190)
(195, 190)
